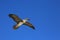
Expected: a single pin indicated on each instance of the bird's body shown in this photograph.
(20, 21)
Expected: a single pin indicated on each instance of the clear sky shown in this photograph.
(43, 14)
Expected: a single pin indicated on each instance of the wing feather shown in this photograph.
(15, 18)
(30, 25)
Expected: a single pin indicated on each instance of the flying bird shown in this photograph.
(20, 22)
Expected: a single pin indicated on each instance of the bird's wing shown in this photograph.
(30, 25)
(15, 18)
(15, 27)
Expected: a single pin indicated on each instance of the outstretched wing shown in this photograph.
(30, 25)
(15, 27)
(15, 18)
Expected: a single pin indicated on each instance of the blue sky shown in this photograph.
(43, 14)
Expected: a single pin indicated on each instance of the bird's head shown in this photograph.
(27, 19)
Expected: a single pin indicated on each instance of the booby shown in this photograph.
(20, 22)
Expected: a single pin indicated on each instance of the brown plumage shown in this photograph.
(19, 20)
(15, 18)
(29, 24)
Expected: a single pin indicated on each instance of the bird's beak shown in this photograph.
(27, 18)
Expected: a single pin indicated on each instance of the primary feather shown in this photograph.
(29, 24)
(15, 18)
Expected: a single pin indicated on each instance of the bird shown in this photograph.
(20, 22)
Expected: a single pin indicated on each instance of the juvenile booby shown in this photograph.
(20, 22)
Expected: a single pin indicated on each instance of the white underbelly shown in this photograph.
(21, 23)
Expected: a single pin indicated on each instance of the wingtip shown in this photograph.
(33, 28)
(10, 14)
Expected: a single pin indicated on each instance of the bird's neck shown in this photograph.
(25, 20)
